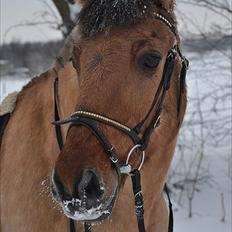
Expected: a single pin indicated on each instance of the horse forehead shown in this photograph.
(122, 37)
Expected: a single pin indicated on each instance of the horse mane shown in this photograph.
(101, 16)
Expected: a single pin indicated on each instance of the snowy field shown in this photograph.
(201, 172)
(200, 177)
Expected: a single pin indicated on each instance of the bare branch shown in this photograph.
(64, 11)
(28, 24)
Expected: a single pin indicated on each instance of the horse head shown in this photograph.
(130, 77)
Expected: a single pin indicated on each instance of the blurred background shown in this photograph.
(200, 180)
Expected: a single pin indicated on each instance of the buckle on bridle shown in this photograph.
(113, 156)
(157, 122)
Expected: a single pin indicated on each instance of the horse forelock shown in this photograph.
(102, 15)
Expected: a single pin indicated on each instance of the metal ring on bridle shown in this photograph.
(130, 154)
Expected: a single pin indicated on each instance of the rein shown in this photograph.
(90, 120)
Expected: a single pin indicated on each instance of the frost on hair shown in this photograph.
(101, 15)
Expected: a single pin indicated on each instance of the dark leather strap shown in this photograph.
(59, 137)
(139, 203)
(108, 148)
(157, 103)
(170, 223)
(4, 119)
(164, 83)
(87, 227)
(132, 133)
(181, 87)
(72, 225)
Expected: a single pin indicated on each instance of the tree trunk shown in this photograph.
(65, 13)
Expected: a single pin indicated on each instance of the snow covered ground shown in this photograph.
(201, 169)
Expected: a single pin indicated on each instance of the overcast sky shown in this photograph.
(20, 11)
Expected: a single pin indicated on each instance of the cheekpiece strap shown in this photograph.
(58, 130)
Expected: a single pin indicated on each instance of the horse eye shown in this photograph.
(149, 61)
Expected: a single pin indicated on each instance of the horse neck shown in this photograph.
(154, 173)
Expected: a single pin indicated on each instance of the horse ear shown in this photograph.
(167, 5)
(76, 57)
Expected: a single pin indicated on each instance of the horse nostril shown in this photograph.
(89, 188)
(58, 189)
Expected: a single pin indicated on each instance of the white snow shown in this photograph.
(74, 9)
(3, 62)
(205, 140)
(85, 214)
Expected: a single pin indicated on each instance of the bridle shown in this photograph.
(90, 120)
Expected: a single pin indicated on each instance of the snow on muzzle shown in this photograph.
(85, 203)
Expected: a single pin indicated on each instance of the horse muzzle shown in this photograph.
(87, 201)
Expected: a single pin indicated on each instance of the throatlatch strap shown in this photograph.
(181, 87)
(170, 223)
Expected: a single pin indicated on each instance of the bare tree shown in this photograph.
(64, 9)
(222, 9)
(58, 14)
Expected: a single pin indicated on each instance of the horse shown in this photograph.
(117, 97)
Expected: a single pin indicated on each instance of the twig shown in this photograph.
(223, 208)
